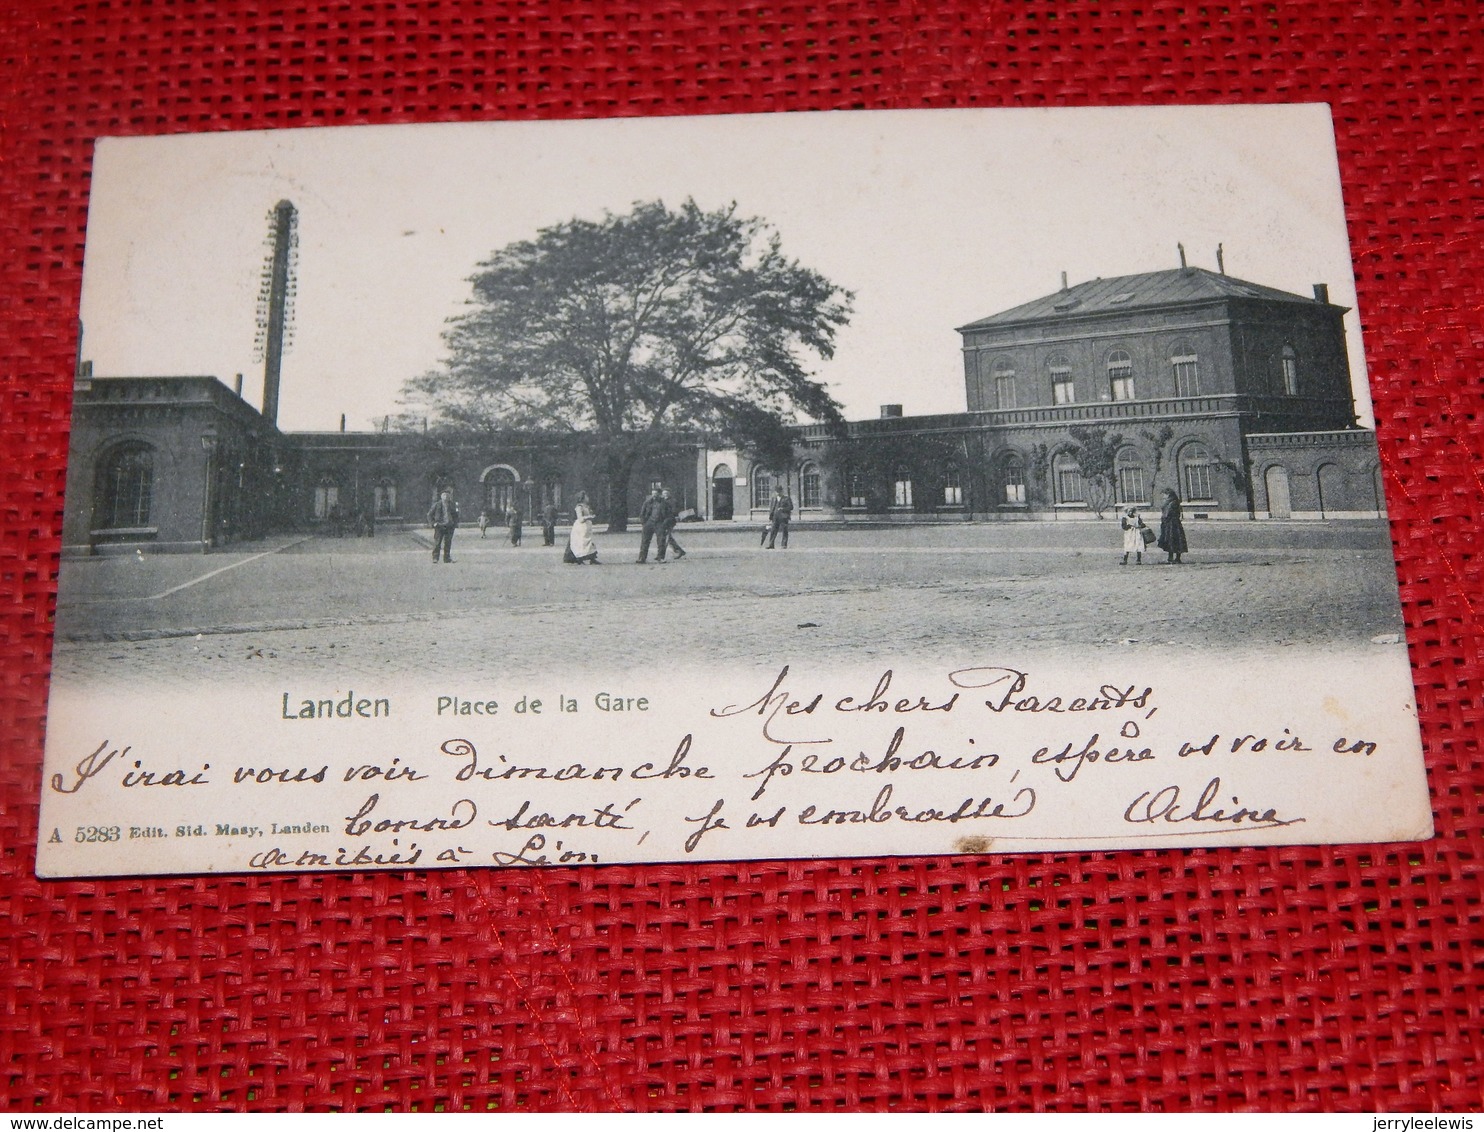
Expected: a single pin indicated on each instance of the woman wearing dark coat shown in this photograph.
(1171, 528)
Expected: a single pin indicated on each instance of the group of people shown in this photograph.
(515, 524)
(443, 517)
(658, 516)
(657, 519)
(1137, 535)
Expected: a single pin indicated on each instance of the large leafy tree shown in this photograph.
(632, 328)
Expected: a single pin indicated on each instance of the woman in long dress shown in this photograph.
(581, 549)
(1172, 528)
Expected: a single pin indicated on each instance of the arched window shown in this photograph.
(1012, 480)
(855, 488)
(499, 491)
(551, 493)
(953, 487)
(762, 489)
(809, 493)
(1121, 375)
(1003, 378)
(1067, 477)
(1128, 469)
(1186, 368)
(1288, 363)
(1195, 472)
(1063, 388)
(126, 483)
(901, 488)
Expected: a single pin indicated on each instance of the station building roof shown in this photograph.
(1125, 293)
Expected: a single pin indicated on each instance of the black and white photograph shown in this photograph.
(815, 484)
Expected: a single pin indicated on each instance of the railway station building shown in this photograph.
(1236, 395)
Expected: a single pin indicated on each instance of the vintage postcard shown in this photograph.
(918, 482)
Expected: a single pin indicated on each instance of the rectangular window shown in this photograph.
(1063, 391)
(135, 500)
(809, 489)
(1198, 482)
(499, 497)
(326, 497)
(901, 492)
(1123, 387)
(1069, 485)
(953, 492)
(1004, 391)
(1131, 486)
(1013, 482)
(133, 484)
(1187, 378)
(857, 490)
(762, 491)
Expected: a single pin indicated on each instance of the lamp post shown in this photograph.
(208, 445)
(242, 519)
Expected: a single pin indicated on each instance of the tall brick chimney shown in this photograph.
(276, 299)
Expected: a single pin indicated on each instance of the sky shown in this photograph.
(933, 218)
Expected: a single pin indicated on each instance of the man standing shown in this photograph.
(548, 524)
(778, 517)
(443, 517)
(652, 520)
(667, 535)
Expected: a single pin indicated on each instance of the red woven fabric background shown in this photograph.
(1304, 978)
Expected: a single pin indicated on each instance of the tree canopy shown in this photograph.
(636, 326)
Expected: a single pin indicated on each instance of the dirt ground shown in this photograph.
(380, 607)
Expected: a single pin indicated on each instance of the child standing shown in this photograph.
(1133, 536)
